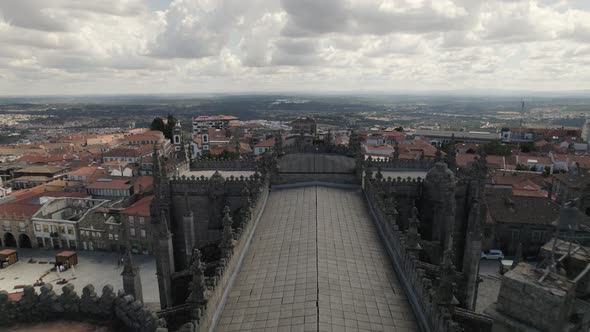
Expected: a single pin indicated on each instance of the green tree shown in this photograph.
(528, 147)
(400, 129)
(158, 124)
(496, 148)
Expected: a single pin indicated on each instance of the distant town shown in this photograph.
(178, 192)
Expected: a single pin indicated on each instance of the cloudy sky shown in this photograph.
(201, 46)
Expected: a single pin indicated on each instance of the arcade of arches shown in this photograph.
(9, 240)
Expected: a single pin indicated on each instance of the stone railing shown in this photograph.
(222, 164)
(205, 316)
(419, 289)
(109, 308)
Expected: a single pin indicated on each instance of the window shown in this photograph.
(37, 228)
(70, 230)
(515, 235)
(45, 228)
(141, 221)
(537, 236)
(22, 227)
(7, 226)
(142, 232)
(131, 220)
(62, 229)
(116, 237)
(132, 231)
(110, 236)
(111, 227)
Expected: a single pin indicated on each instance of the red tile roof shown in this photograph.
(140, 208)
(214, 118)
(89, 171)
(267, 143)
(145, 182)
(116, 184)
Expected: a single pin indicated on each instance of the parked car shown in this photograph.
(492, 254)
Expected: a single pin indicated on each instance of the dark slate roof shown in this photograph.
(503, 207)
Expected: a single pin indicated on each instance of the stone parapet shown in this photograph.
(122, 309)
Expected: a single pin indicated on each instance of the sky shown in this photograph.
(64, 47)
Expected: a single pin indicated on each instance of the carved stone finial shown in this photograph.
(197, 286)
(227, 239)
(447, 278)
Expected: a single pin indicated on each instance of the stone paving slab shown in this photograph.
(316, 263)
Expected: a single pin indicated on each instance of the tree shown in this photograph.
(521, 167)
(158, 124)
(528, 147)
(400, 129)
(496, 148)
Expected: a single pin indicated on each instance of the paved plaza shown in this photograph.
(316, 263)
(94, 267)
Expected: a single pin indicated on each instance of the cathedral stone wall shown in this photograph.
(431, 314)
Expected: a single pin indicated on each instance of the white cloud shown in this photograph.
(78, 46)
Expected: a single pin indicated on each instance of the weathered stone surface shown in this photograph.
(544, 305)
(27, 306)
(7, 309)
(89, 301)
(47, 302)
(106, 301)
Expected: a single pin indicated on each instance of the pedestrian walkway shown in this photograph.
(316, 263)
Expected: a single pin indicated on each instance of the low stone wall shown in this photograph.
(286, 178)
(228, 165)
(47, 306)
